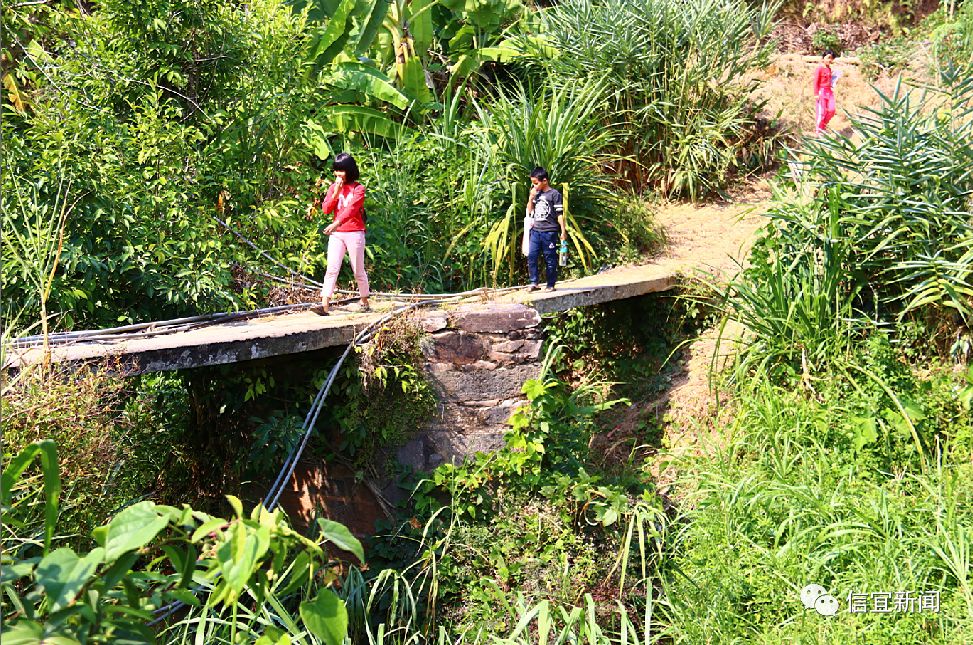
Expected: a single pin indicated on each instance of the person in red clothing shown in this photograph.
(824, 92)
(346, 199)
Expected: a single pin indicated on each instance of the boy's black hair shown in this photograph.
(539, 172)
(830, 52)
(346, 162)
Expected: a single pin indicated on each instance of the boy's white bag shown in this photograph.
(525, 243)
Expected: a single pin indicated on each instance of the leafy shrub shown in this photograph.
(885, 237)
(825, 39)
(387, 376)
(528, 547)
(887, 56)
(557, 128)
(465, 182)
(531, 514)
(244, 569)
(953, 45)
(148, 118)
(789, 499)
(634, 220)
(117, 440)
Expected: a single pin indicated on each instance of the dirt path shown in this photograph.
(710, 241)
(717, 238)
(713, 238)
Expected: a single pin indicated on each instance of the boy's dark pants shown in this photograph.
(543, 242)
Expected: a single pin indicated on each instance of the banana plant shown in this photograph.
(343, 30)
(411, 27)
(150, 555)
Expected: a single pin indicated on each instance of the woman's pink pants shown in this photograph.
(825, 110)
(354, 243)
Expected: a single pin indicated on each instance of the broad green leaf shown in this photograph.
(236, 505)
(318, 10)
(209, 526)
(339, 535)
(414, 80)
(131, 529)
(114, 574)
(474, 60)
(17, 570)
(354, 118)
(240, 555)
(185, 596)
(369, 81)
(326, 617)
(331, 40)
(62, 574)
(380, 9)
(865, 431)
(47, 451)
(533, 388)
(22, 632)
(419, 17)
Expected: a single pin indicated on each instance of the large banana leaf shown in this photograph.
(474, 60)
(362, 120)
(379, 9)
(330, 41)
(419, 18)
(368, 80)
(317, 10)
(414, 81)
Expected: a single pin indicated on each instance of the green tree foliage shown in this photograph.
(163, 115)
(153, 113)
(116, 441)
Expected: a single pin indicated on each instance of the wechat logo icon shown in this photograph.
(817, 598)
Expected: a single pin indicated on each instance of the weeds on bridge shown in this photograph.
(387, 376)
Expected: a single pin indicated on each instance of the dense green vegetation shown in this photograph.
(840, 455)
(140, 125)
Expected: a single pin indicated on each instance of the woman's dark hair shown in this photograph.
(539, 173)
(830, 52)
(346, 162)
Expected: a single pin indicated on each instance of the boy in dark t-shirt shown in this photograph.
(545, 207)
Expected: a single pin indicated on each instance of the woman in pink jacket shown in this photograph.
(346, 199)
(824, 79)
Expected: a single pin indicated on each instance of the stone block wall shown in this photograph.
(477, 358)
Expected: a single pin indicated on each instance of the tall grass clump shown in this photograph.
(446, 205)
(882, 237)
(117, 440)
(846, 463)
(558, 128)
(813, 489)
(674, 70)
(906, 198)
(953, 43)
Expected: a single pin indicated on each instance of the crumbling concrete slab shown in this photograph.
(303, 331)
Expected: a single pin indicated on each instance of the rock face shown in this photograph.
(477, 358)
(332, 491)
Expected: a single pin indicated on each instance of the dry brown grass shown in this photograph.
(787, 86)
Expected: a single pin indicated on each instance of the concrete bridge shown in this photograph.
(302, 331)
(478, 353)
